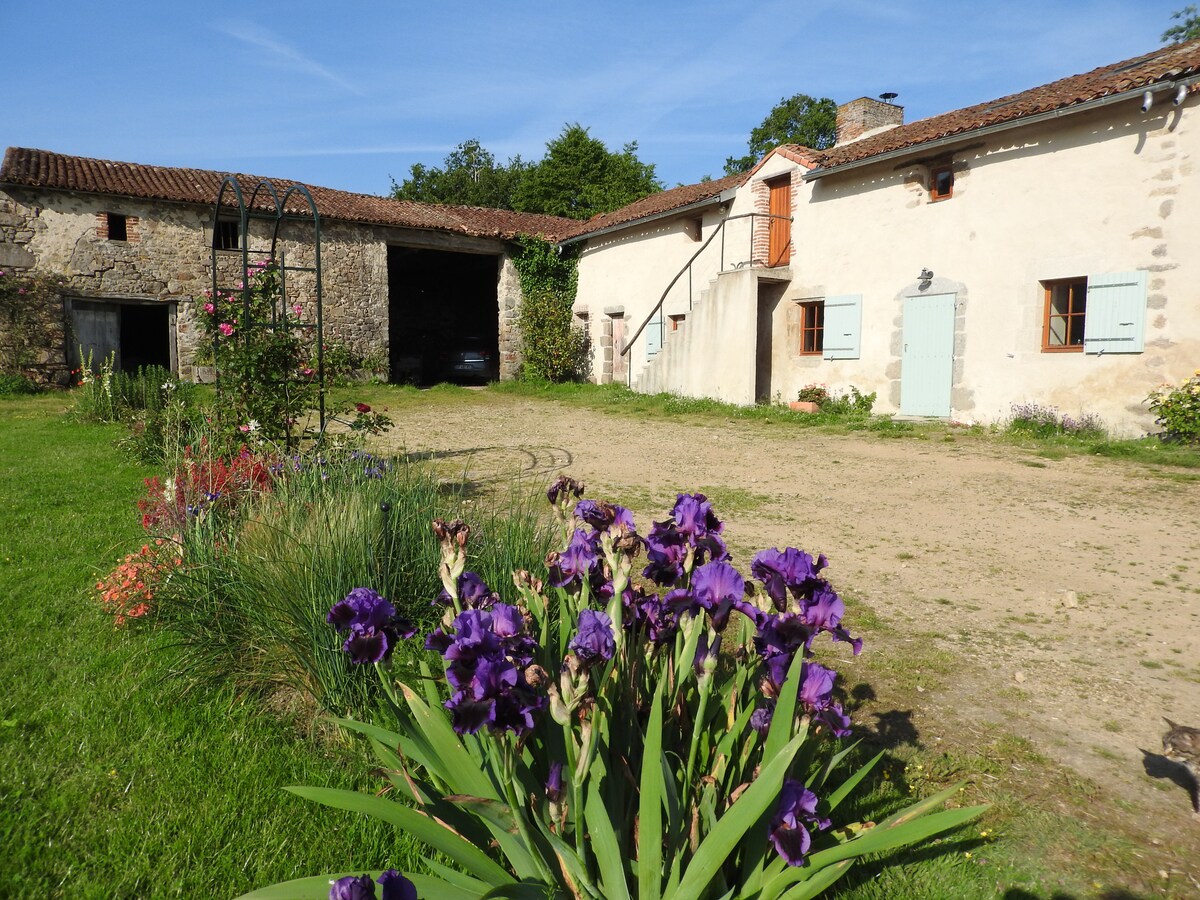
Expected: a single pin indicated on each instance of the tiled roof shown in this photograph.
(44, 169)
(656, 204)
(1163, 65)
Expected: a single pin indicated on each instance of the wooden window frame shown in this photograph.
(812, 328)
(224, 228)
(676, 320)
(935, 195)
(1073, 317)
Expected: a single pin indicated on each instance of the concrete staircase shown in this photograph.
(712, 353)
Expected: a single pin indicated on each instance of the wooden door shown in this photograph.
(97, 330)
(927, 372)
(779, 247)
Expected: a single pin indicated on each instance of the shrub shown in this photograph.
(16, 385)
(813, 393)
(110, 395)
(1046, 421)
(551, 347)
(1177, 410)
(128, 591)
(281, 536)
(855, 403)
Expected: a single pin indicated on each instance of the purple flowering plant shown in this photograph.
(645, 722)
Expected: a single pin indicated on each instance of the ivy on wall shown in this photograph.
(32, 327)
(551, 346)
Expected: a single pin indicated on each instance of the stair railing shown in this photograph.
(687, 267)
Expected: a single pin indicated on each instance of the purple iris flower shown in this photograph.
(554, 784)
(693, 515)
(396, 886)
(760, 719)
(789, 827)
(781, 635)
(824, 612)
(718, 588)
(707, 654)
(353, 887)
(816, 686)
(666, 549)
(375, 628)
(594, 641)
(473, 592)
(787, 571)
(602, 516)
(650, 613)
(578, 561)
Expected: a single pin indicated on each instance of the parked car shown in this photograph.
(470, 359)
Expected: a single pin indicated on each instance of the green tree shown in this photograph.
(580, 177)
(799, 119)
(469, 176)
(1188, 28)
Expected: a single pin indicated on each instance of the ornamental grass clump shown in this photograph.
(619, 728)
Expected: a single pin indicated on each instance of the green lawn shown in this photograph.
(113, 783)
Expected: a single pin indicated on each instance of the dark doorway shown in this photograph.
(443, 316)
(765, 370)
(133, 334)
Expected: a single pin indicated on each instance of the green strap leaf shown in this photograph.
(843, 791)
(721, 842)
(827, 770)
(607, 851)
(456, 878)
(650, 810)
(880, 839)
(423, 828)
(817, 882)
(456, 766)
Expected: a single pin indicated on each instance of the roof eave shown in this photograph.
(926, 146)
(716, 199)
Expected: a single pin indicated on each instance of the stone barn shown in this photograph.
(403, 282)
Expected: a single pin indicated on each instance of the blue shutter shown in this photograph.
(1116, 313)
(843, 327)
(654, 336)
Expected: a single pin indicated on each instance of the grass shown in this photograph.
(113, 782)
(618, 398)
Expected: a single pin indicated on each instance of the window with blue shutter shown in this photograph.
(1116, 313)
(654, 336)
(843, 327)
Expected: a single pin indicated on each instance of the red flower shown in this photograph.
(362, 407)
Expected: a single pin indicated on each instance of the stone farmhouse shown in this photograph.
(1040, 247)
(1035, 248)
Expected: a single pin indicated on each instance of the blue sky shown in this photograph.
(350, 94)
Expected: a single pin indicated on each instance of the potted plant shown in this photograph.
(810, 398)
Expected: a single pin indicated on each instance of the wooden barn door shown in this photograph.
(97, 331)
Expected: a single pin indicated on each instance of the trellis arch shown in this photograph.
(265, 204)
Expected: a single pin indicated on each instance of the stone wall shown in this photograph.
(166, 257)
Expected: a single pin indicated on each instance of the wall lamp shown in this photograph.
(924, 279)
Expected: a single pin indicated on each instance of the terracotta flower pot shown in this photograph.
(805, 406)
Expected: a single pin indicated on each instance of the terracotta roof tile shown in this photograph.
(656, 204)
(44, 169)
(1162, 65)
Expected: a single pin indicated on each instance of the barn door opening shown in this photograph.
(132, 334)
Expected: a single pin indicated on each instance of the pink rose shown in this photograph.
(225, 328)
(209, 308)
(296, 308)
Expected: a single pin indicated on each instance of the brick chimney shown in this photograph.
(866, 114)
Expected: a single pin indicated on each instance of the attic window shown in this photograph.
(225, 236)
(117, 230)
(941, 182)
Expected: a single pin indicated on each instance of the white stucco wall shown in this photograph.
(1112, 190)
(1102, 191)
(628, 270)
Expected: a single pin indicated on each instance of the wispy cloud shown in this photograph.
(286, 56)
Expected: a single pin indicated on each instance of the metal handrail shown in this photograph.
(687, 267)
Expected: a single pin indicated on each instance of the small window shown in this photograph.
(225, 236)
(941, 182)
(677, 320)
(117, 227)
(694, 228)
(1065, 314)
(812, 328)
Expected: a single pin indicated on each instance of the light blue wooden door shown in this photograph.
(928, 358)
